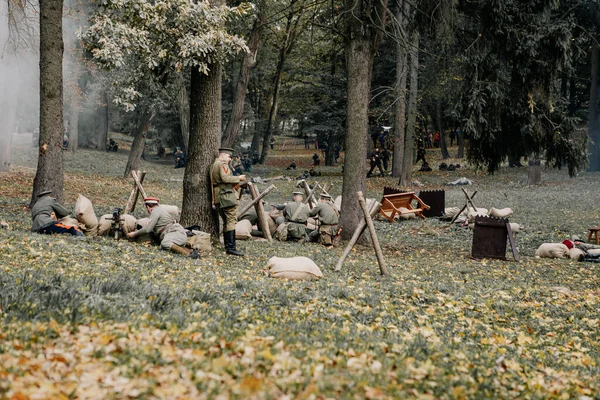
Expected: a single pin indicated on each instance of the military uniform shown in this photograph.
(43, 222)
(225, 198)
(329, 218)
(296, 226)
(165, 227)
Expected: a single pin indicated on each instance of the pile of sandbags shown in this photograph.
(199, 241)
(84, 212)
(243, 230)
(552, 250)
(501, 212)
(128, 224)
(295, 268)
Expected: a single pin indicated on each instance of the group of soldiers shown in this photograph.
(47, 211)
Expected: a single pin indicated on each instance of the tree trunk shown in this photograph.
(594, 112)
(139, 141)
(73, 128)
(440, 124)
(460, 139)
(205, 139)
(233, 124)
(103, 126)
(8, 105)
(49, 173)
(406, 176)
(183, 106)
(400, 106)
(274, 103)
(359, 64)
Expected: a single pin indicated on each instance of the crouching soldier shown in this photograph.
(172, 235)
(42, 216)
(328, 218)
(296, 215)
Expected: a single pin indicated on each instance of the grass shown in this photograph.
(105, 319)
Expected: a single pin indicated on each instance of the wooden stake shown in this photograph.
(254, 201)
(132, 201)
(260, 212)
(362, 225)
(462, 209)
(376, 246)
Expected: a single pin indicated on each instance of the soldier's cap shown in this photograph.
(325, 196)
(150, 200)
(297, 194)
(44, 193)
(226, 150)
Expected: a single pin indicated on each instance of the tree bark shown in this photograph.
(139, 141)
(359, 53)
(49, 173)
(103, 126)
(440, 124)
(594, 112)
(400, 106)
(460, 139)
(183, 106)
(233, 124)
(406, 176)
(8, 105)
(205, 139)
(274, 103)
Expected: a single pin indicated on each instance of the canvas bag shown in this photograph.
(295, 268)
(199, 241)
(84, 212)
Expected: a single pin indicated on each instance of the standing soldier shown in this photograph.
(225, 198)
(43, 219)
(163, 224)
(328, 218)
(375, 160)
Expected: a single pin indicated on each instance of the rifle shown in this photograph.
(116, 224)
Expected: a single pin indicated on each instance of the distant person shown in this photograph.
(385, 158)
(324, 148)
(314, 172)
(160, 151)
(336, 152)
(452, 137)
(255, 157)
(306, 142)
(45, 213)
(316, 160)
(421, 152)
(247, 163)
(428, 142)
(272, 142)
(436, 140)
(382, 137)
(374, 136)
(292, 166)
(112, 146)
(65, 143)
(236, 165)
(179, 158)
(375, 160)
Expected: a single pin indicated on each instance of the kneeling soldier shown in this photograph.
(296, 214)
(43, 222)
(172, 235)
(328, 217)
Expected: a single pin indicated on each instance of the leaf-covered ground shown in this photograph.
(97, 318)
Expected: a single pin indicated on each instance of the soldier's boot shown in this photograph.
(229, 241)
(193, 254)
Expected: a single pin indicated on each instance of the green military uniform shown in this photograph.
(296, 226)
(225, 196)
(329, 218)
(164, 226)
(41, 212)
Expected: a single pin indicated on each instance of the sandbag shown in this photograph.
(405, 213)
(69, 221)
(552, 250)
(338, 203)
(450, 212)
(482, 212)
(281, 233)
(594, 252)
(275, 213)
(84, 212)
(501, 213)
(104, 224)
(295, 268)
(199, 241)
(173, 210)
(575, 253)
(514, 227)
(243, 229)
(128, 223)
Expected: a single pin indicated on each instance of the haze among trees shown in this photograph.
(519, 79)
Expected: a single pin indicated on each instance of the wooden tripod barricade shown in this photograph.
(469, 200)
(260, 210)
(138, 178)
(365, 223)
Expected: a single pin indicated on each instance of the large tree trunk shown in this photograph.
(183, 106)
(359, 54)
(440, 126)
(460, 139)
(233, 124)
(49, 173)
(8, 107)
(594, 112)
(406, 176)
(205, 139)
(102, 133)
(400, 106)
(139, 141)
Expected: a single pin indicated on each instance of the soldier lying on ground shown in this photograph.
(172, 235)
(328, 218)
(42, 215)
